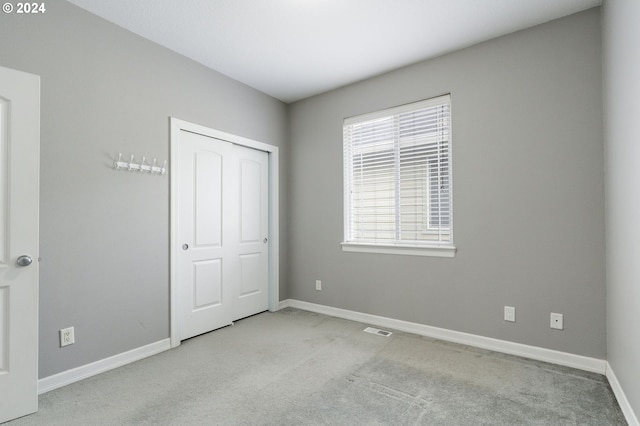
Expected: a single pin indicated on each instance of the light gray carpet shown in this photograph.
(299, 368)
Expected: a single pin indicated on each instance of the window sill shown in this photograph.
(433, 251)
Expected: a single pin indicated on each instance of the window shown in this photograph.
(397, 180)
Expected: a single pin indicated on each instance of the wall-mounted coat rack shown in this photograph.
(143, 167)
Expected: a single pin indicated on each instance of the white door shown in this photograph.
(222, 231)
(19, 174)
(251, 292)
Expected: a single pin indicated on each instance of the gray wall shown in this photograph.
(622, 133)
(105, 233)
(528, 193)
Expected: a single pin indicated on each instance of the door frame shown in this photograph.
(178, 126)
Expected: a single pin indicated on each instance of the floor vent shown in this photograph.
(378, 332)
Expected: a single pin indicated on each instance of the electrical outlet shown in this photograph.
(510, 313)
(318, 285)
(67, 337)
(557, 321)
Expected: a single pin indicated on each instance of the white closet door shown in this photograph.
(251, 295)
(223, 223)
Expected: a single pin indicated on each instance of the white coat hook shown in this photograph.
(144, 167)
(119, 164)
(155, 168)
(134, 166)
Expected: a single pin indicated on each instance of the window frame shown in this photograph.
(397, 246)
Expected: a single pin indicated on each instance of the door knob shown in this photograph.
(185, 247)
(24, 260)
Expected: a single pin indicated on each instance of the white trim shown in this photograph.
(177, 126)
(433, 251)
(274, 229)
(533, 352)
(623, 402)
(287, 303)
(76, 374)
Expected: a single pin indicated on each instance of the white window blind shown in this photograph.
(397, 176)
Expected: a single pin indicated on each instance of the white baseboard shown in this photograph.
(625, 406)
(555, 357)
(76, 374)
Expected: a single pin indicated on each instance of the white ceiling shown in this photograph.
(292, 49)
